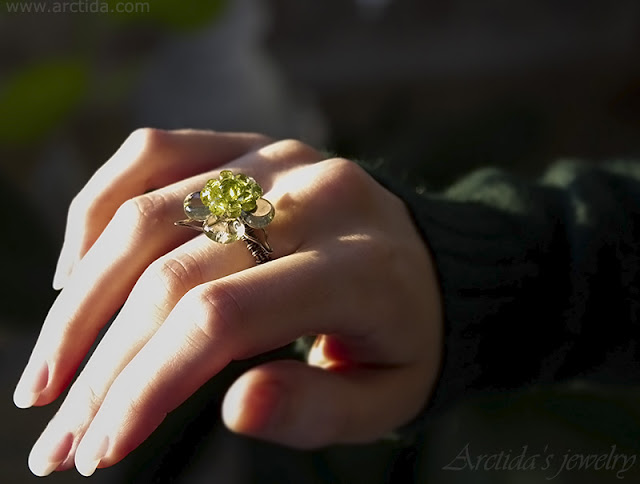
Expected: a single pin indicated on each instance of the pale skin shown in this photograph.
(349, 266)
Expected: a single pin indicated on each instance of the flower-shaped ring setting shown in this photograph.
(231, 208)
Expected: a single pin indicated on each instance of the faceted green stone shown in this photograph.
(229, 195)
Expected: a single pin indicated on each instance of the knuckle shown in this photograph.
(296, 146)
(344, 183)
(143, 212)
(136, 148)
(347, 172)
(291, 150)
(215, 312)
(142, 141)
(178, 274)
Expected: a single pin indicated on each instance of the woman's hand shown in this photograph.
(348, 266)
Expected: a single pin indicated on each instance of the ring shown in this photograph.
(231, 208)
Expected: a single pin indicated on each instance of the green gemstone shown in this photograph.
(229, 195)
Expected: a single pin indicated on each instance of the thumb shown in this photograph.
(294, 404)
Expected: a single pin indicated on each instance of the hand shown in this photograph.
(348, 266)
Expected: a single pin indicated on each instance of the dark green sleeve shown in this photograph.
(540, 281)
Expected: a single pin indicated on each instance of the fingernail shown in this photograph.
(58, 281)
(88, 469)
(60, 277)
(32, 383)
(45, 458)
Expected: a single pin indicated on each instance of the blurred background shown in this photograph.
(436, 88)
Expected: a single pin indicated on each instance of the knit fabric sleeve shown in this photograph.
(540, 281)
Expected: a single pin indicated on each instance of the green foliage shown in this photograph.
(39, 97)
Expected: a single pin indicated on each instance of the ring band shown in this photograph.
(231, 208)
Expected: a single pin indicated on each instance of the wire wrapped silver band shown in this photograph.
(259, 251)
